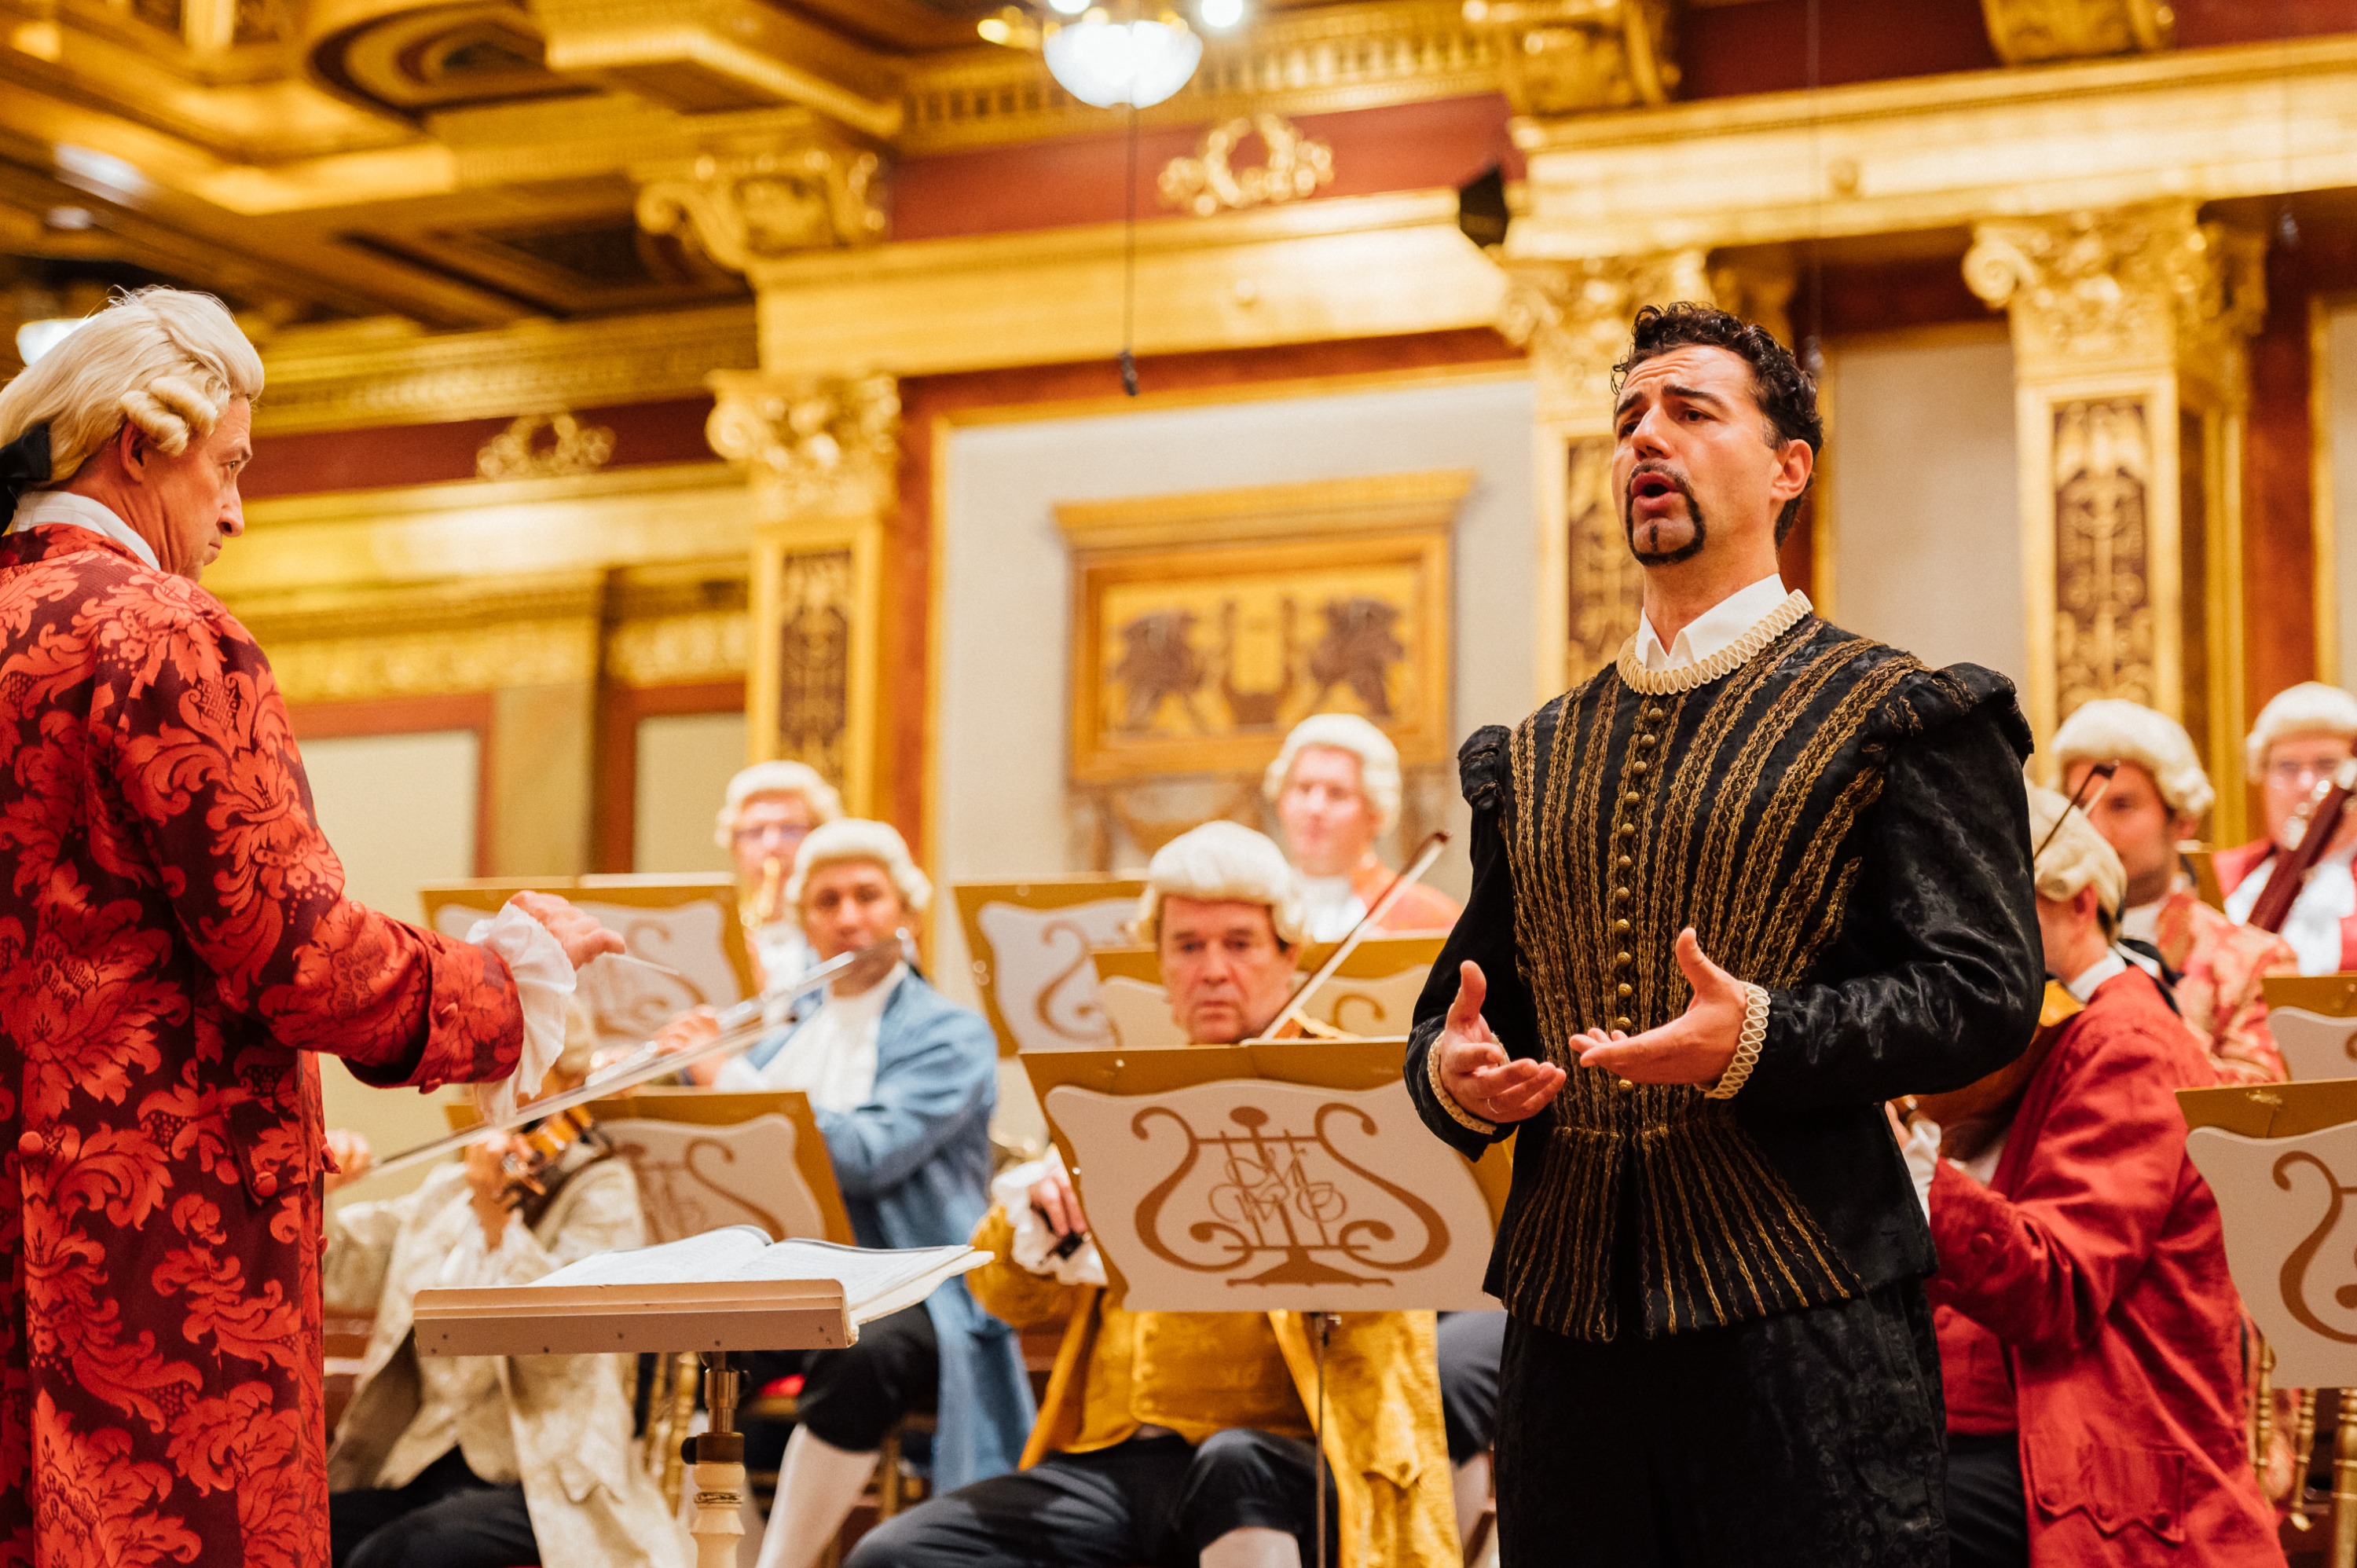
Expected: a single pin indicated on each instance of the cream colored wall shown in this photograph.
(400, 810)
(685, 762)
(2339, 369)
(1925, 512)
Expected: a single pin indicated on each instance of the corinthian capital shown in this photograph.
(819, 445)
(1574, 319)
(2140, 286)
(1567, 56)
(2025, 32)
(751, 204)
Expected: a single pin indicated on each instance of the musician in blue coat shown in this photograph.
(901, 1082)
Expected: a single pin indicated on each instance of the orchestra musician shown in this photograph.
(1335, 786)
(901, 1082)
(2299, 738)
(480, 1461)
(1730, 894)
(2154, 800)
(768, 808)
(1185, 1437)
(178, 949)
(2089, 1332)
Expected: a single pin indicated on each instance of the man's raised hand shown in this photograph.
(1695, 1046)
(1474, 1067)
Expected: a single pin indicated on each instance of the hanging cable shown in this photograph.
(1129, 268)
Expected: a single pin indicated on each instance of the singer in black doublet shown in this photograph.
(1737, 1279)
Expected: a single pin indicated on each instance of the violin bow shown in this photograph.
(2080, 801)
(1300, 1000)
(740, 1026)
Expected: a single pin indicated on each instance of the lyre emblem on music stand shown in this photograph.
(2294, 1278)
(1290, 1200)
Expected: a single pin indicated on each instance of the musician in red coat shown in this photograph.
(2299, 737)
(174, 945)
(2089, 1332)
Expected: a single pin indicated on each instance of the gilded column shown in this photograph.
(1574, 317)
(821, 452)
(2131, 381)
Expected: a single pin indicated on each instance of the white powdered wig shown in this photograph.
(855, 838)
(2077, 856)
(2110, 729)
(1379, 763)
(2309, 708)
(797, 778)
(168, 360)
(1220, 863)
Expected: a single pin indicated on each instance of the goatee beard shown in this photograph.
(1686, 551)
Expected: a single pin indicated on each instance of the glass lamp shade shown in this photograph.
(1105, 63)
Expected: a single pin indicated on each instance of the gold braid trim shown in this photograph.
(1462, 1117)
(1725, 661)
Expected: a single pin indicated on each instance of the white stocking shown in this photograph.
(1252, 1547)
(818, 1486)
(1471, 1483)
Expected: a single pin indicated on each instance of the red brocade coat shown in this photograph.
(2082, 1303)
(174, 945)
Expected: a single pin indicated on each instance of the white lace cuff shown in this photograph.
(544, 980)
(1034, 1247)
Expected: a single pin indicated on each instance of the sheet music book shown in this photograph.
(731, 1289)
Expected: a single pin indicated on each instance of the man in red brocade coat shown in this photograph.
(174, 945)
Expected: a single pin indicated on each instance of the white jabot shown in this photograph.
(1715, 628)
(2313, 927)
(2083, 984)
(832, 1058)
(35, 508)
(2142, 922)
(1332, 905)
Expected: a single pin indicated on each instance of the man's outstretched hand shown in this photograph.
(1693, 1047)
(1475, 1069)
(579, 934)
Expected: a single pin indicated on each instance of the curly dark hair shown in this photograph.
(1786, 394)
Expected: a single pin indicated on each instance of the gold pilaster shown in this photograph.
(2131, 384)
(822, 454)
(1574, 319)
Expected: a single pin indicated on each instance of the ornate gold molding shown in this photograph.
(2135, 287)
(818, 446)
(1361, 504)
(2105, 634)
(1571, 57)
(1607, 585)
(2030, 32)
(746, 206)
(384, 373)
(517, 452)
(1292, 167)
(681, 649)
(337, 644)
(1574, 319)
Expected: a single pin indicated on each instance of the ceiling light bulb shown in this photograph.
(1221, 13)
(1070, 7)
(35, 338)
(1105, 63)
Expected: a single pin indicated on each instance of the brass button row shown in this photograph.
(1624, 828)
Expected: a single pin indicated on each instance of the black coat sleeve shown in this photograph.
(1943, 967)
(1484, 934)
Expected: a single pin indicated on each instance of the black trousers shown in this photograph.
(446, 1517)
(1151, 1502)
(1472, 1343)
(1806, 1440)
(1988, 1519)
(850, 1397)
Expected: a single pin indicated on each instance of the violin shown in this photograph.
(544, 1143)
(1971, 1117)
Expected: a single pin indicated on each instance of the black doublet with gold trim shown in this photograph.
(1839, 825)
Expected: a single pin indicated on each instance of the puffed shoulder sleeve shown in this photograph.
(1484, 934)
(1942, 969)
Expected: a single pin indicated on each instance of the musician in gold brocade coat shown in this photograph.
(1730, 894)
(1179, 1439)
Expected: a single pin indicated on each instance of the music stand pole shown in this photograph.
(719, 1474)
(1318, 1470)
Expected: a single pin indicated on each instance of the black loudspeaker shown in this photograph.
(1481, 208)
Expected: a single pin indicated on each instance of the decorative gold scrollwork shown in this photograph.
(519, 452)
(1293, 166)
(2293, 1279)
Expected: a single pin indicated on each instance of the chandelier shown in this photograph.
(1133, 52)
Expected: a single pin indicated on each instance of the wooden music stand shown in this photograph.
(1029, 943)
(2314, 1020)
(1372, 995)
(2280, 1159)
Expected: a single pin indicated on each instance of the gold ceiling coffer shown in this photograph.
(2131, 381)
(1565, 57)
(824, 454)
(1292, 167)
(749, 205)
(2030, 32)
